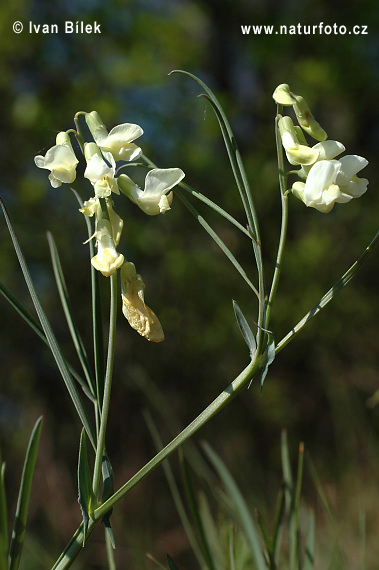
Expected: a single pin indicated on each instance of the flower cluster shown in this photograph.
(101, 158)
(324, 179)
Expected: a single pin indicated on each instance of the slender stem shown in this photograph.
(76, 543)
(218, 404)
(107, 387)
(284, 224)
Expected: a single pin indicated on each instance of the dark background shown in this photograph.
(320, 386)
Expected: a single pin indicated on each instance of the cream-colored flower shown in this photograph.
(331, 181)
(139, 315)
(118, 141)
(99, 173)
(154, 199)
(60, 160)
(107, 259)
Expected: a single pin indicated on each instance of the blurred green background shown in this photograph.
(319, 388)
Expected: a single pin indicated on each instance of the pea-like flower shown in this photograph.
(107, 259)
(155, 198)
(99, 173)
(60, 160)
(119, 141)
(139, 315)
(331, 181)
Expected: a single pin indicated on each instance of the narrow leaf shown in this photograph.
(245, 330)
(54, 346)
(171, 563)
(108, 490)
(217, 239)
(86, 497)
(287, 472)
(242, 510)
(309, 559)
(268, 356)
(64, 297)
(3, 521)
(23, 498)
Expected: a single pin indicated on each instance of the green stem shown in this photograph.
(218, 404)
(284, 224)
(107, 387)
(76, 543)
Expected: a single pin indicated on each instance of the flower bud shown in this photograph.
(283, 96)
(307, 120)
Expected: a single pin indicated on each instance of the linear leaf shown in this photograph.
(242, 510)
(268, 356)
(64, 297)
(3, 521)
(171, 563)
(309, 560)
(233, 154)
(23, 498)
(86, 497)
(245, 330)
(108, 490)
(217, 239)
(54, 346)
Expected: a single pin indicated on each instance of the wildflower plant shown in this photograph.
(324, 179)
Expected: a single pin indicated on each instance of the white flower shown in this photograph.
(139, 315)
(101, 176)
(154, 199)
(118, 141)
(60, 160)
(107, 259)
(331, 181)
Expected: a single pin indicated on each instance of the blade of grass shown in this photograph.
(54, 346)
(3, 520)
(23, 498)
(310, 545)
(195, 511)
(64, 297)
(278, 524)
(175, 492)
(241, 509)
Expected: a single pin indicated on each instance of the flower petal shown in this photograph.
(350, 165)
(328, 149)
(321, 176)
(160, 180)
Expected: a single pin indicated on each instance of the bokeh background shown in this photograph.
(320, 388)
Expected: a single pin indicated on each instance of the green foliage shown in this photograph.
(22, 508)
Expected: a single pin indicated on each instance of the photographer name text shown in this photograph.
(66, 27)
